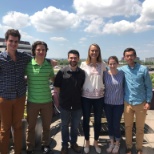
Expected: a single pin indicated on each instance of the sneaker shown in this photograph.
(76, 148)
(47, 150)
(64, 150)
(115, 149)
(110, 148)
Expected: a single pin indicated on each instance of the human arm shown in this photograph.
(148, 88)
(53, 62)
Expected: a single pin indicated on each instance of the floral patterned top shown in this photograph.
(93, 86)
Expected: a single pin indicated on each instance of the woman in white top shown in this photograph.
(93, 94)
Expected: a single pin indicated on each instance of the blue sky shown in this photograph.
(75, 24)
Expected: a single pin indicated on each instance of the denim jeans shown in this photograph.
(73, 118)
(87, 105)
(113, 115)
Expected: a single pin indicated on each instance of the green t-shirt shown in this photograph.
(38, 81)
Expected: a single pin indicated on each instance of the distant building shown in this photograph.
(150, 59)
(23, 46)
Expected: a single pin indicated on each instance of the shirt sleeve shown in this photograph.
(58, 79)
(148, 86)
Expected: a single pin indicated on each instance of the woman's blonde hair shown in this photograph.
(99, 58)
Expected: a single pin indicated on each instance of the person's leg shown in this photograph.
(117, 114)
(109, 116)
(46, 113)
(17, 116)
(140, 114)
(32, 114)
(128, 119)
(65, 119)
(86, 109)
(6, 122)
(75, 121)
(98, 107)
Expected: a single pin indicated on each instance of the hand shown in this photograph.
(53, 62)
(146, 106)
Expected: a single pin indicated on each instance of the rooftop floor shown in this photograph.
(148, 144)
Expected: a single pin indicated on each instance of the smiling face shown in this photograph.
(73, 59)
(94, 52)
(112, 63)
(12, 43)
(40, 51)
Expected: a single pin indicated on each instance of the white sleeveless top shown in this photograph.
(93, 86)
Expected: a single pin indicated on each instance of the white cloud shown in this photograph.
(107, 8)
(99, 16)
(95, 26)
(25, 36)
(16, 20)
(58, 39)
(118, 27)
(51, 18)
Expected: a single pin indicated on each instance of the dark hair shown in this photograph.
(12, 32)
(128, 50)
(34, 45)
(114, 58)
(74, 52)
(99, 58)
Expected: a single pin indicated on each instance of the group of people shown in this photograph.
(14, 66)
(91, 87)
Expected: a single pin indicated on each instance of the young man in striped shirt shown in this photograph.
(39, 71)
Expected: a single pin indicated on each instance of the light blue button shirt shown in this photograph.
(138, 85)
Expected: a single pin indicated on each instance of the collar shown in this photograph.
(69, 67)
(5, 53)
(135, 66)
(43, 64)
(91, 64)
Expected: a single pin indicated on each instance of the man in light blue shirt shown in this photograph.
(137, 97)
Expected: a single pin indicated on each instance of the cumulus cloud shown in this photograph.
(107, 8)
(51, 18)
(101, 16)
(118, 27)
(58, 39)
(16, 20)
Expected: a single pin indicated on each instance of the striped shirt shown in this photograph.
(12, 82)
(114, 88)
(38, 81)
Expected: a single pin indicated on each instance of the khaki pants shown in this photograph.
(33, 110)
(140, 114)
(11, 113)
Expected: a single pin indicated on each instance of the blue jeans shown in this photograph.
(73, 118)
(87, 105)
(113, 115)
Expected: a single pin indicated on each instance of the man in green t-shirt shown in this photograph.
(39, 71)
